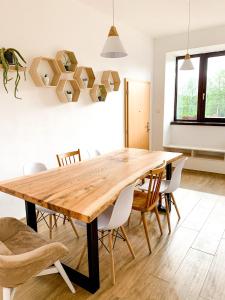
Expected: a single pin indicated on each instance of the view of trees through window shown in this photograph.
(188, 97)
(215, 89)
(187, 91)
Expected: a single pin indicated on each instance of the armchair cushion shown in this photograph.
(4, 250)
(24, 253)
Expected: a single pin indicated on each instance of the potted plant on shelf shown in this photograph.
(46, 79)
(69, 96)
(67, 63)
(8, 57)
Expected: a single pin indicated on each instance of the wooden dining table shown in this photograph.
(83, 191)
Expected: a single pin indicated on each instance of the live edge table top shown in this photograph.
(84, 190)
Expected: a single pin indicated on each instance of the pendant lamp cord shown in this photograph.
(113, 10)
(189, 21)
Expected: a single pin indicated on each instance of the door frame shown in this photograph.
(126, 81)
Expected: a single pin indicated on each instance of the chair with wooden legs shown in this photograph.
(64, 159)
(25, 254)
(92, 153)
(169, 187)
(146, 202)
(111, 221)
(42, 213)
(68, 158)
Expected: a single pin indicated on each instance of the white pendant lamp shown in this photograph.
(187, 64)
(113, 47)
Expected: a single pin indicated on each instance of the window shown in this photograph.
(200, 93)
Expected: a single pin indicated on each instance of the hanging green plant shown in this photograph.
(10, 57)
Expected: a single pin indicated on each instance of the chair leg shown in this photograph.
(102, 238)
(55, 220)
(146, 231)
(112, 258)
(6, 292)
(128, 243)
(160, 199)
(62, 272)
(140, 221)
(73, 226)
(50, 227)
(158, 219)
(128, 221)
(175, 204)
(64, 220)
(168, 215)
(81, 257)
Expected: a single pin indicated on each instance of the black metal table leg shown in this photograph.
(91, 283)
(168, 177)
(93, 255)
(31, 215)
(161, 208)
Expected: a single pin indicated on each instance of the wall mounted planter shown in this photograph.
(36, 75)
(98, 93)
(62, 89)
(111, 80)
(85, 77)
(67, 61)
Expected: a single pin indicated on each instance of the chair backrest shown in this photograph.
(176, 176)
(68, 158)
(34, 167)
(155, 176)
(122, 207)
(92, 153)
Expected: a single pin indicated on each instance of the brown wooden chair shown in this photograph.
(64, 159)
(68, 158)
(146, 202)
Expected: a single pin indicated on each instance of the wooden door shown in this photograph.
(137, 114)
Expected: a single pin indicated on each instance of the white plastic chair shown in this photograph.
(33, 168)
(92, 153)
(169, 187)
(113, 219)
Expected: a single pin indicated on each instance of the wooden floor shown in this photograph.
(188, 264)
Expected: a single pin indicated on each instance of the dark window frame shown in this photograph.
(202, 86)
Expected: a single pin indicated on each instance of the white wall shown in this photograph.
(165, 50)
(39, 126)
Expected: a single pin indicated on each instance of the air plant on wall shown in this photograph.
(9, 57)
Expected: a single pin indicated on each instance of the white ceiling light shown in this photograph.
(113, 47)
(187, 64)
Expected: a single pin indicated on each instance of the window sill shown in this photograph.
(197, 123)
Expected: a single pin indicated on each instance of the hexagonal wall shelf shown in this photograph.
(68, 85)
(98, 93)
(111, 80)
(67, 61)
(85, 77)
(38, 77)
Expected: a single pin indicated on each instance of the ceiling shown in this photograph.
(163, 17)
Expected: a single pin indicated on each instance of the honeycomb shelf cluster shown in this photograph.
(69, 79)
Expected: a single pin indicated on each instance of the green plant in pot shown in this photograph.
(11, 56)
(67, 63)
